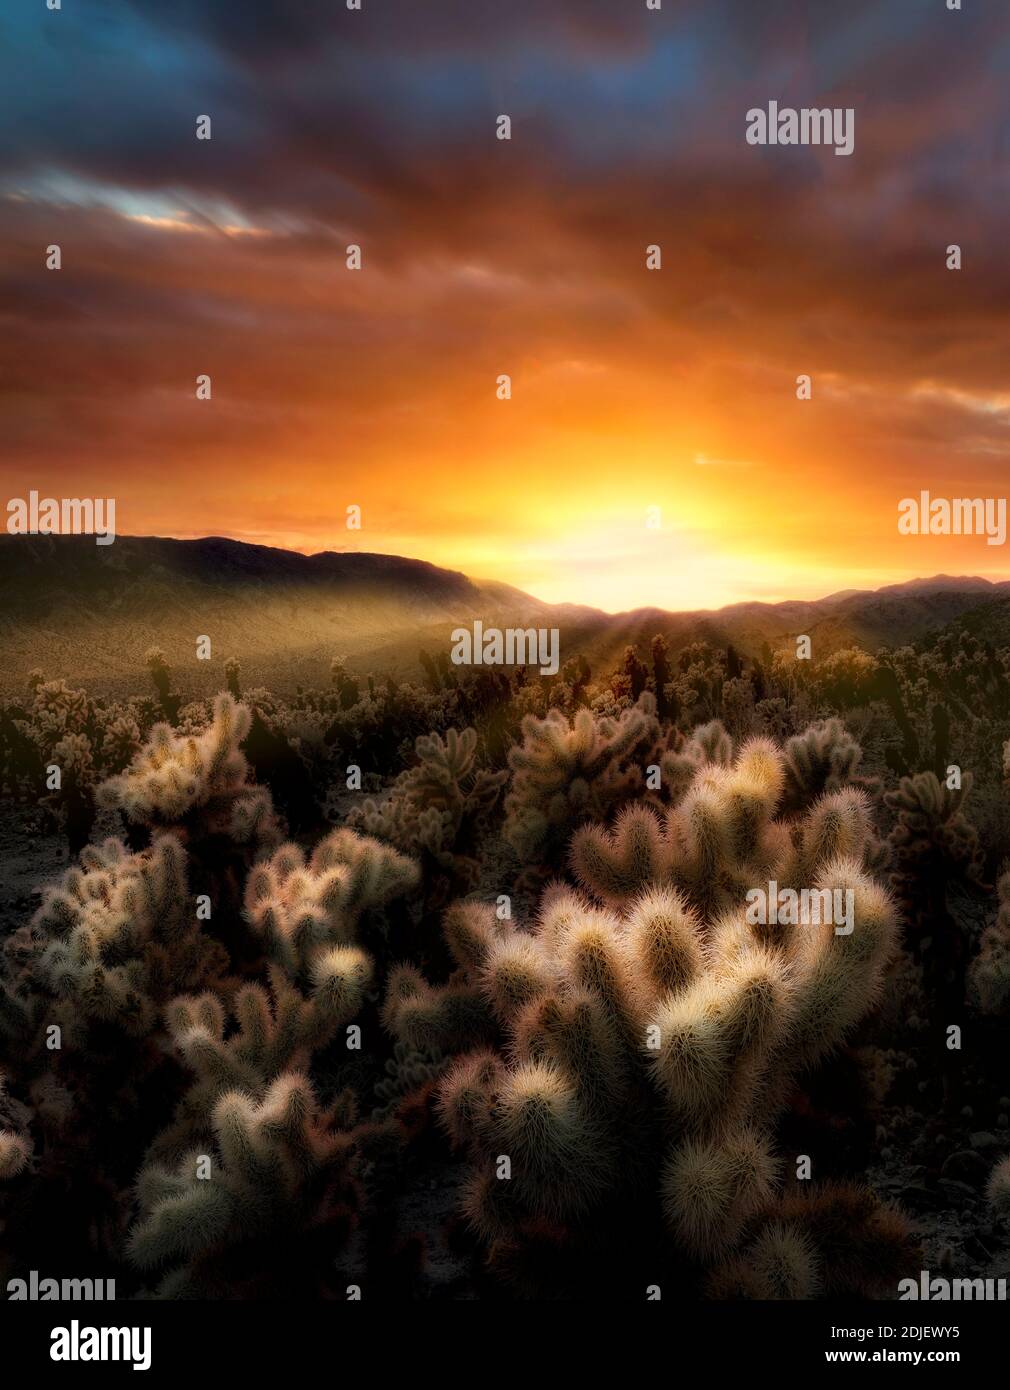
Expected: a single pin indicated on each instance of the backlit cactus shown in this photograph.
(565, 772)
(824, 758)
(82, 994)
(14, 1154)
(838, 1241)
(276, 1176)
(301, 905)
(15, 1147)
(647, 1044)
(997, 1190)
(989, 973)
(438, 809)
(112, 941)
(200, 780)
(723, 837)
(277, 1160)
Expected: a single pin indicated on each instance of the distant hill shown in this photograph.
(89, 613)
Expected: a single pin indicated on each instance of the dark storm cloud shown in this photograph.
(324, 113)
(266, 30)
(331, 126)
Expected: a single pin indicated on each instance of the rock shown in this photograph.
(984, 1141)
(965, 1166)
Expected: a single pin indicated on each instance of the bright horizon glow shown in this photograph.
(620, 592)
(632, 388)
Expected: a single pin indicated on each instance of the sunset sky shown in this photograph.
(632, 389)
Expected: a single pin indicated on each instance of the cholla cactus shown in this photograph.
(824, 758)
(997, 1190)
(439, 808)
(111, 942)
(933, 846)
(307, 916)
(15, 1148)
(566, 773)
(279, 1170)
(989, 973)
(82, 993)
(277, 1160)
(723, 838)
(120, 737)
(154, 659)
(301, 907)
(840, 1241)
(649, 1042)
(680, 757)
(232, 673)
(931, 832)
(202, 780)
(408, 1071)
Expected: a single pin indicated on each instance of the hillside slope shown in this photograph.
(89, 613)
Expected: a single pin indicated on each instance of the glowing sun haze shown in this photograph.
(631, 390)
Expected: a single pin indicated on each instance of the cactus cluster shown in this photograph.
(631, 1049)
(439, 808)
(569, 771)
(256, 1207)
(823, 758)
(989, 972)
(15, 1147)
(627, 1074)
(408, 1071)
(114, 939)
(201, 780)
(723, 836)
(82, 995)
(252, 1154)
(119, 1001)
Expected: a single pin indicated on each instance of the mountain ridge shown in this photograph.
(89, 613)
